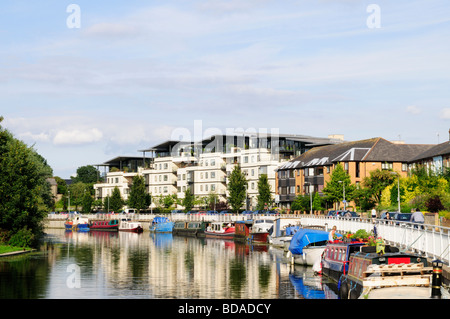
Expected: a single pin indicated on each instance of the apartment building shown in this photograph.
(311, 171)
(204, 166)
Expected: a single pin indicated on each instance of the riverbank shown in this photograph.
(6, 250)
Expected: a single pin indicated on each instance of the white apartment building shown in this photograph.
(204, 166)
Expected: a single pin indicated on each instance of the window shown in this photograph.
(165, 189)
(213, 187)
(213, 162)
(165, 178)
(404, 167)
(166, 165)
(245, 159)
(213, 174)
(386, 166)
(206, 175)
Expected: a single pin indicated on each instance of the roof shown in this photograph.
(117, 160)
(437, 150)
(371, 150)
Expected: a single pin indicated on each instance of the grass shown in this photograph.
(9, 249)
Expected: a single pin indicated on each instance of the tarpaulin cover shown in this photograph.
(304, 237)
(291, 230)
(159, 219)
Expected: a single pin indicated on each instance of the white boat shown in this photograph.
(130, 226)
(310, 255)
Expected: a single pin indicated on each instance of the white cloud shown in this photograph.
(445, 114)
(413, 109)
(77, 137)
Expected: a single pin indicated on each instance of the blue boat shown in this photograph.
(161, 225)
(307, 245)
(76, 223)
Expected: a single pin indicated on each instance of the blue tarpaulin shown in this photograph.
(159, 219)
(291, 230)
(304, 237)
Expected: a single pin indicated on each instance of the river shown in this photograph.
(106, 265)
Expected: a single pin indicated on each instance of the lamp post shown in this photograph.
(398, 189)
(345, 202)
(68, 205)
(310, 196)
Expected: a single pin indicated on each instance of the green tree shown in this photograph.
(237, 188)
(377, 182)
(264, 192)
(77, 191)
(116, 202)
(340, 180)
(139, 198)
(188, 200)
(211, 200)
(317, 202)
(86, 203)
(87, 174)
(302, 203)
(25, 196)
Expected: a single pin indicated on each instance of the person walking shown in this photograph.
(417, 218)
(374, 214)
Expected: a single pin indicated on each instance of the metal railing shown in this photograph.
(431, 241)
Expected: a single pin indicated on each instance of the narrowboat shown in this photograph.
(195, 229)
(105, 225)
(336, 256)
(77, 224)
(260, 230)
(220, 230)
(179, 228)
(242, 230)
(161, 225)
(369, 271)
(127, 225)
(307, 245)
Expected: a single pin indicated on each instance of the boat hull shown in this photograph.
(166, 227)
(132, 230)
(224, 235)
(112, 225)
(310, 255)
(259, 237)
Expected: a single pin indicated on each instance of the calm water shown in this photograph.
(104, 265)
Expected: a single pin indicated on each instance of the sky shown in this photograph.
(86, 81)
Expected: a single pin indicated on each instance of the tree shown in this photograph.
(377, 182)
(139, 198)
(87, 174)
(264, 192)
(212, 200)
(335, 187)
(237, 188)
(25, 196)
(116, 202)
(77, 191)
(86, 203)
(302, 203)
(317, 202)
(188, 200)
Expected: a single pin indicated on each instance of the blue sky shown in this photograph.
(135, 72)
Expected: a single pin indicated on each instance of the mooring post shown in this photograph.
(436, 279)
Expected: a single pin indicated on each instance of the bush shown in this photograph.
(23, 238)
(434, 204)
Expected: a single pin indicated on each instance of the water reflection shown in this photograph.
(149, 265)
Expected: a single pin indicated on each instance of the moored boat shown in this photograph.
(335, 258)
(161, 224)
(307, 246)
(127, 225)
(242, 230)
(220, 230)
(388, 274)
(105, 225)
(195, 228)
(260, 230)
(77, 223)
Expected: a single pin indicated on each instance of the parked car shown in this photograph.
(331, 213)
(262, 211)
(385, 215)
(177, 211)
(192, 212)
(349, 214)
(247, 212)
(273, 212)
(225, 212)
(212, 212)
